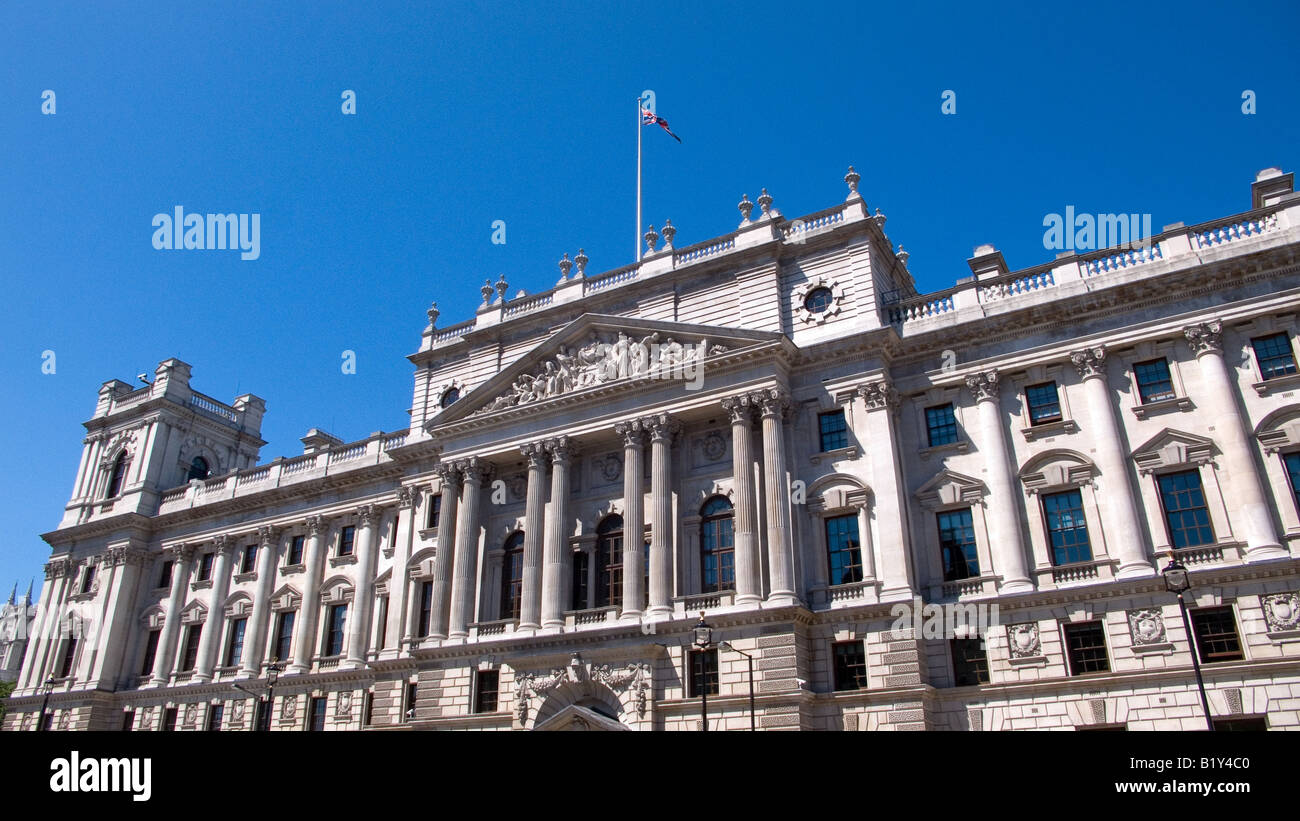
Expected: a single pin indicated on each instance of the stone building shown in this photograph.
(16, 617)
(939, 511)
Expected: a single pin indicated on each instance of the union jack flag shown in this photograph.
(648, 118)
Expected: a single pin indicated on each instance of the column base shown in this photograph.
(351, 664)
(296, 669)
(202, 678)
(1266, 552)
(1137, 570)
(630, 615)
(782, 600)
(1016, 586)
(551, 628)
(660, 612)
(748, 598)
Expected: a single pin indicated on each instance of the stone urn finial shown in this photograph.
(745, 207)
(669, 233)
(581, 260)
(502, 287)
(433, 313)
(565, 266)
(765, 203)
(879, 219)
(651, 237)
(902, 256)
(852, 179)
(486, 291)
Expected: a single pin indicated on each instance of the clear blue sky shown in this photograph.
(524, 112)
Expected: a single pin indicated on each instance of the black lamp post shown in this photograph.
(1176, 581)
(48, 687)
(750, 660)
(703, 640)
(272, 675)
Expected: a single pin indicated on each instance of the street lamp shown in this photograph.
(272, 675)
(728, 645)
(1176, 581)
(703, 640)
(48, 687)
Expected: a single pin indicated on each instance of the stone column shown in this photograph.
(556, 559)
(446, 551)
(633, 520)
(258, 620)
(53, 594)
(363, 602)
(775, 403)
(889, 495)
(748, 571)
(408, 498)
(117, 621)
(305, 642)
(1235, 441)
(182, 560)
(1119, 497)
(530, 607)
(663, 429)
(1004, 518)
(463, 585)
(211, 636)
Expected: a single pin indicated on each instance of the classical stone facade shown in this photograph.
(16, 618)
(855, 483)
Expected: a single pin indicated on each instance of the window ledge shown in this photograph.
(80, 597)
(201, 584)
(428, 533)
(336, 561)
(250, 576)
(1049, 429)
(1178, 403)
(1283, 636)
(1277, 383)
(1162, 648)
(1028, 661)
(850, 452)
(960, 446)
(290, 569)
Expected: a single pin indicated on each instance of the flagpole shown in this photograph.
(637, 257)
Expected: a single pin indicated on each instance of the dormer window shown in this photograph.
(117, 476)
(198, 469)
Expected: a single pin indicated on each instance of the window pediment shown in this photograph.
(286, 598)
(1057, 469)
(194, 613)
(1173, 448)
(238, 606)
(950, 489)
(1280, 429)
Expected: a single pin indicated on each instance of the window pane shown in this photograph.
(1185, 512)
(704, 672)
(295, 550)
(717, 546)
(1274, 355)
(1066, 528)
(834, 430)
(1216, 634)
(941, 425)
(843, 547)
(284, 636)
(609, 561)
(970, 664)
(486, 697)
(1154, 383)
(235, 644)
(957, 543)
(345, 540)
(850, 658)
(150, 652)
(512, 576)
(1044, 403)
(1086, 645)
(1292, 461)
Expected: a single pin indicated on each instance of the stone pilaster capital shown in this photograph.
(367, 515)
(662, 427)
(57, 568)
(224, 543)
(448, 473)
(878, 395)
(315, 525)
(561, 448)
(1090, 362)
(631, 432)
(739, 408)
(182, 552)
(983, 385)
(535, 453)
(407, 496)
(475, 469)
(266, 535)
(1205, 337)
(771, 401)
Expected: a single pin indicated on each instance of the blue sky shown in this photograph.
(524, 112)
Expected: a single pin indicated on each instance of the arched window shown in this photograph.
(512, 575)
(198, 469)
(450, 396)
(717, 546)
(609, 561)
(117, 476)
(818, 300)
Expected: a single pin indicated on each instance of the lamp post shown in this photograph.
(272, 675)
(703, 640)
(750, 659)
(1176, 581)
(48, 687)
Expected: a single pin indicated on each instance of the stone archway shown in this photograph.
(580, 702)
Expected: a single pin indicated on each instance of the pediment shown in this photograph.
(1173, 448)
(577, 717)
(949, 488)
(596, 354)
(1280, 429)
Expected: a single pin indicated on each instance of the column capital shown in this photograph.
(878, 395)
(535, 453)
(562, 448)
(125, 555)
(448, 473)
(180, 552)
(740, 408)
(1205, 337)
(407, 496)
(1090, 362)
(57, 568)
(771, 401)
(223, 543)
(984, 385)
(662, 427)
(632, 432)
(367, 514)
(266, 535)
(315, 524)
(475, 469)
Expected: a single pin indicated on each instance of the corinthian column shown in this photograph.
(408, 500)
(1008, 546)
(663, 429)
(888, 494)
(775, 402)
(259, 619)
(363, 603)
(530, 606)
(1220, 403)
(304, 643)
(633, 520)
(225, 546)
(555, 573)
(463, 587)
(1125, 529)
(182, 560)
(446, 550)
(748, 579)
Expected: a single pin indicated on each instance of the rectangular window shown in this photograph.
(580, 580)
(150, 652)
(1292, 461)
(368, 708)
(346, 538)
(1216, 634)
(435, 512)
(426, 607)
(844, 548)
(235, 642)
(295, 549)
(957, 544)
(941, 425)
(1274, 355)
(704, 672)
(1153, 380)
(485, 691)
(382, 640)
(1066, 529)
(263, 717)
(316, 714)
(1086, 648)
(850, 659)
(333, 646)
(215, 713)
(834, 430)
(970, 664)
(408, 703)
(169, 719)
(283, 636)
(205, 567)
(249, 561)
(128, 720)
(1250, 724)
(69, 657)
(88, 580)
(191, 655)
(165, 576)
(1186, 514)
(1044, 403)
